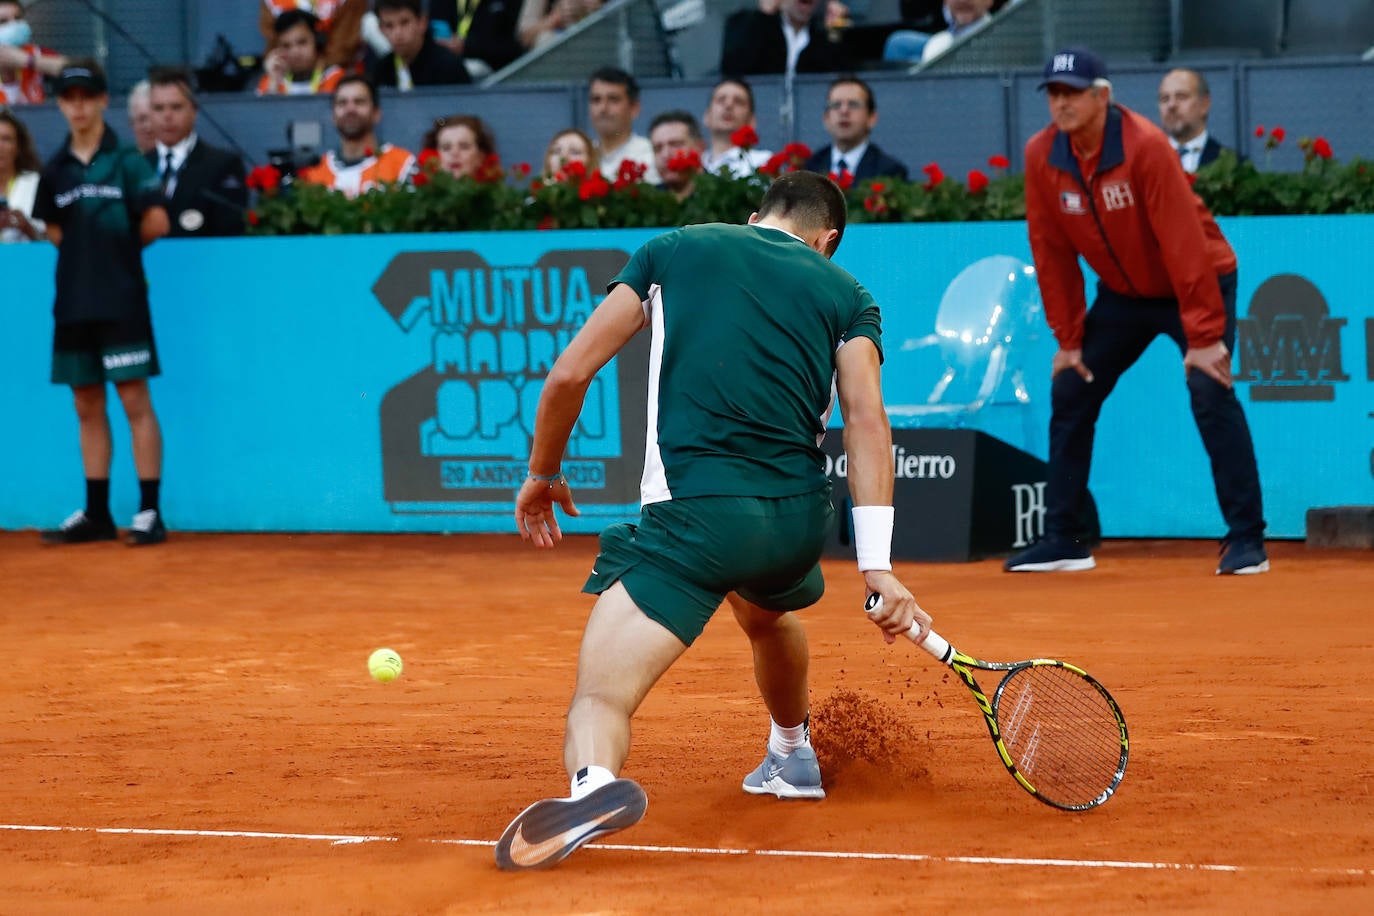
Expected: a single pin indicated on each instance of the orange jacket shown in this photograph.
(1134, 219)
(324, 81)
(341, 20)
(29, 81)
(390, 164)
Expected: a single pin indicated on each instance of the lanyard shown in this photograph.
(466, 10)
(315, 79)
(404, 82)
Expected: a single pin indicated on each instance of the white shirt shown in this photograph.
(1190, 153)
(636, 149)
(797, 40)
(741, 164)
(847, 161)
(19, 196)
(179, 153)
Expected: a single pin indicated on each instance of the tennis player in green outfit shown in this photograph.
(753, 332)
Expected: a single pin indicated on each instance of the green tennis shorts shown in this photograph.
(685, 555)
(93, 352)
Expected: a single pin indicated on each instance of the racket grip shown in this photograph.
(934, 643)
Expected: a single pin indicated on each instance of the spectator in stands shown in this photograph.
(102, 205)
(19, 165)
(1185, 100)
(678, 147)
(731, 108)
(570, 145)
(416, 59)
(464, 143)
(360, 163)
(783, 39)
(541, 21)
(613, 103)
(141, 117)
(851, 113)
(22, 63)
(204, 185)
(340, 20)
(295, 65)
(960, 17)
(482, 32)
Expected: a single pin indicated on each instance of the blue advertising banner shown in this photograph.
(389, 383)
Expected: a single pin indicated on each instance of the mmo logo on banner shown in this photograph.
(1290, 346)
(457, 433)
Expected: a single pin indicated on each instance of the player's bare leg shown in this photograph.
(782, 659)
(623, 655)
(145, 434)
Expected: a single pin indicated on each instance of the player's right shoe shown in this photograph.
(548, 831)
(1051, 555)
(798, 775)
(80, 528)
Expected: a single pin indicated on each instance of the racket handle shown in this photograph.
(934, 643)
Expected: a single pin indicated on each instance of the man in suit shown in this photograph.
(789, 40)
(851, 112)
(204, 185)
(1185, 100)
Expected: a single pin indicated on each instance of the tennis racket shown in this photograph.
(1057, 730)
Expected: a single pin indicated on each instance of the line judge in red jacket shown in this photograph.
(1104, 183)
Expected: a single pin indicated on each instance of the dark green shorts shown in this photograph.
(94, 352)
(685, 555)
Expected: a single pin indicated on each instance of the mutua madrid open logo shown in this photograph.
(1290, 346)
(456, 435)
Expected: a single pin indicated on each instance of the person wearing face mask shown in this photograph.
(22, 63)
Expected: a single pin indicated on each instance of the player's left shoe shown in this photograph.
(548, 831)
(798, 775)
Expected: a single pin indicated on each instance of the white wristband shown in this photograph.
(873, 536)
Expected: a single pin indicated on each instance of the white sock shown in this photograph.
(783, 741)
(589, 779)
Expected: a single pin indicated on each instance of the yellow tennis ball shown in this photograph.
(384, 665)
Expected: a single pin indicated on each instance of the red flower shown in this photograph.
(999, 162)
(428, 157)
(576, 169)
(536, 186)
(253, 218)
(977, 182)
(843, 179)
(520, 169)
(420, 179)
(490, 171)
(547, 223)
(629, 173)
(934, 175)
(878, 187)
(1321, 148)
(1192, 177)
(1259, 131)
(745, 138)
(264, 178)
(1277, 134)
(368, 151)
(686, 160)
(874, 204)
(595, 186)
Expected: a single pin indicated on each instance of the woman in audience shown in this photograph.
(19, 167)
(464, 144)
(570, 145)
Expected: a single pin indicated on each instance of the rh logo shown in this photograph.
(1029, 512)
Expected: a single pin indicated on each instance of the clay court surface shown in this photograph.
(217, 686)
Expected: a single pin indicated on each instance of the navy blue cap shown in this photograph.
(1076, 67)
(80, 76)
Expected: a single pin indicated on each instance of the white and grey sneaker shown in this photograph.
(798, 775)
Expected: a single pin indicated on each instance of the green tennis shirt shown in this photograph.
(746, 322)
(99, 207)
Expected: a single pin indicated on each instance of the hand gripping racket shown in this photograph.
(1057, 730)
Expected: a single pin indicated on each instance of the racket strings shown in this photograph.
(1061, 733)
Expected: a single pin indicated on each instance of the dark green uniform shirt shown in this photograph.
(746, 321)
(99, 208)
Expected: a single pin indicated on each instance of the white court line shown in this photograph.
(345, 839)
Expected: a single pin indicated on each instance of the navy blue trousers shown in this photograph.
(1117, 329)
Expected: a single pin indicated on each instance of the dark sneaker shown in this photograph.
(1051, 555)
(80, 528)
(146, 529)
(797, 775)
(1242, 558)
(548, 831)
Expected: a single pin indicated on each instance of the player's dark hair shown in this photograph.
(850, 79)
(364, 81)
(617, 77)
(677, 116)
(412, 5)
(809, 200)
(740, 82)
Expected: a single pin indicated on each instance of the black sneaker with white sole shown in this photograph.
(548, 831)
(80, 528)
(1051, 555)
(1242, 558)
(146, 529)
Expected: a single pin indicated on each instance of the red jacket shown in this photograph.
(1135, 220)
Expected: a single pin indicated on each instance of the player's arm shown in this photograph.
(618, 318)
(868, 444)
